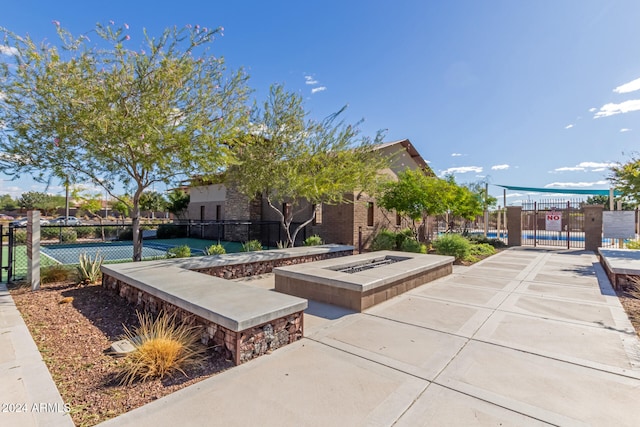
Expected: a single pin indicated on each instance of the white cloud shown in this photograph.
(318, 89)
(514, 195)
(569, 169)
(593, 110)
(575, 184)
(585, 167)
(625, 130)
(632, 86)
(462, 169)
(12, 191)
(613, 109)
(596, 165)
(8, 50)
(310, 80)
(499, 167)
(456, 154)
(568, 126)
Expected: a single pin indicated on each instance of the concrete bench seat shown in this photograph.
(620, 264)
(235, 306)
(244, 320)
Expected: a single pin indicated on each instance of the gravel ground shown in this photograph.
(73, 338)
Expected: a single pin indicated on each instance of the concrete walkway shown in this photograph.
(527, 337)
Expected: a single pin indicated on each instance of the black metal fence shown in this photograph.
(269, 233)
(553, 223)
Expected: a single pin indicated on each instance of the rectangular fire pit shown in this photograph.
(361, 281)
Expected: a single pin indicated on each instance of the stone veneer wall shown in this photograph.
(239, 346)
(235, 271)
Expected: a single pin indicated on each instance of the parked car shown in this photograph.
(23, 222)
(71, 220)
(4, 217)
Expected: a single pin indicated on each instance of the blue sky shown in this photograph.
(541, 93)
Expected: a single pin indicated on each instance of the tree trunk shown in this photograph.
(135, 227)
(300, 227)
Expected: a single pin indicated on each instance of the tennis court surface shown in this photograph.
(123, 251)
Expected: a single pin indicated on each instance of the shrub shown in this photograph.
(182, 251)
(385, 240)
(110, 231)
(126, 234)
(215, 250)
(251, 246)
(162, 347)
(482, 249)
(403, 235)
(88, 269)
(171, 231)
(55, 273)
(632, 244)
(49, 233)
(20, 236)
(314, 240)
(412, 245)
(68, 235)
(84, 232)
(479, 238)
(452, 245)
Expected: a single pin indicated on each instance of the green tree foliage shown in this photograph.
(415, 195)
(152, 201)
(479, 190)
(121, 205)
(627, 205)
(44, 202)
(92, 206)
(32, 200)
(178, 202)
(467, 201)
(105, 113)
(7, 203)
(626, 178)
(295, 160)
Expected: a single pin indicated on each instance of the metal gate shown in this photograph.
(558, 223)
(5, 253)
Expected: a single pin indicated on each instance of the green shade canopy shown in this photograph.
(616, 193)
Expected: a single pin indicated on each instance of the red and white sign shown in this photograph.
(553, 221)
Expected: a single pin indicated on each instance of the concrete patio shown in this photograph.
(526, 337)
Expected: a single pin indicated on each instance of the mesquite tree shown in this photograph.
(294, 160)
(115, 115)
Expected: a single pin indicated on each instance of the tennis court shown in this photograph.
(118, 251)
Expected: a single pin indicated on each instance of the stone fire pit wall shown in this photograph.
(352, 283)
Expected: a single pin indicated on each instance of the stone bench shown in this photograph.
(243, 320)
(620, 264)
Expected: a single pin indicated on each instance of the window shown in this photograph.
(218, 213)
(318, 218)
(370, 214)
(398, 219)
(202, 213)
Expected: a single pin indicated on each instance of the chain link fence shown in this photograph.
(60, 244)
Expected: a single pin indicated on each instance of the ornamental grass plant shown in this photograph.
(163, 346)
